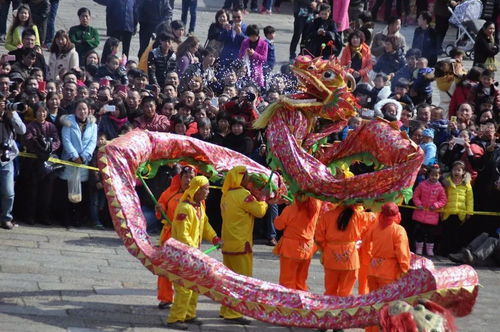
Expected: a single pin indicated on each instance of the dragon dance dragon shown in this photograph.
(295, 126)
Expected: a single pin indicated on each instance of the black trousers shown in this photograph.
(387, 9)
(441, 28)
(403, 7)
(298, 31)
(232, 4)
(145, 34)
(425, 232)
(450, 240)
(422, 6)
(125, 37)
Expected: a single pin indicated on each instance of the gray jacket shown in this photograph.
(9, 128)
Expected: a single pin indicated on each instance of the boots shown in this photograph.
(429, 249)
(419, 247)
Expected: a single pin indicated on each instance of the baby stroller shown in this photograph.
(466, 18)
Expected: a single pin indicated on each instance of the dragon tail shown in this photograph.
(266, 116)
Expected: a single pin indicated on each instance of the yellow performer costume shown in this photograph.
(239, 209)
(190, 224)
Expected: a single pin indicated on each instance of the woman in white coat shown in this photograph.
(63, 56)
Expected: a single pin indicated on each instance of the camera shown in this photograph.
(15, 107)
(46, 144)
(250, 97)
(4, 149)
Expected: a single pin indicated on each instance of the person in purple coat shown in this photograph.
(253, 52)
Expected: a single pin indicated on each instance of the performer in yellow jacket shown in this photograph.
(239, 209)
(189, 226)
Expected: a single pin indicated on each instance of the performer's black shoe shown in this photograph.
(239, 320)
(178, 326)
(194, 321)
(164, 305)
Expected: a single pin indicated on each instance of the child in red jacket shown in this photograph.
(428, 197)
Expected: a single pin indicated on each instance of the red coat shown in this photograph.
(366, 61)
(459, 97)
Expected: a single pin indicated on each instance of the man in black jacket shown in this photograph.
(28, 39)
(151, 13)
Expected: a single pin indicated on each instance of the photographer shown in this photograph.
(10, 125)
(244, 106)
(38, 175)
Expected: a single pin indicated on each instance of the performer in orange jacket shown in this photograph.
(296, 246)
(337, 232)
(388, 249)
(168, 202)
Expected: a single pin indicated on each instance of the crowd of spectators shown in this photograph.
(62, 98)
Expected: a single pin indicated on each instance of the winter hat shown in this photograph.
(428, 132)
(380, 105)
(389, 214)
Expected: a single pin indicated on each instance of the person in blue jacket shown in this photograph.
(425, 38)
(121, 20)
(79, 140)
(232, 37)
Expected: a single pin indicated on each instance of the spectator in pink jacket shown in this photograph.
(428, 197)
(253, 52)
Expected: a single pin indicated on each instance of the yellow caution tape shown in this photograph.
(481, 213)
(69, 163)
(59, 161)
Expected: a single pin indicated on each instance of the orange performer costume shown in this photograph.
(336, 235)
(239, 208)
(387, 246)
(168, 202)
(296, 246)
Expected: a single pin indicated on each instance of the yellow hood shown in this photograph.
(196, 183)
(233, 178)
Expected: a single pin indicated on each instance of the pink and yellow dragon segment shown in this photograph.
(455, 288)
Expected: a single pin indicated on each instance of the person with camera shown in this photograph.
(38, 175)
(244, 106)
(10, 126)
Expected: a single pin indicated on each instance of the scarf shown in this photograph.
(356, 51)
(119, 122)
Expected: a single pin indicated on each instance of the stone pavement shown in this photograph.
(53, 279)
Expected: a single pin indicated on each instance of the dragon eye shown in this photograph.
(329, 75)
(310, 68)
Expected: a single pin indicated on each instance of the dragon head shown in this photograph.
(326, 88)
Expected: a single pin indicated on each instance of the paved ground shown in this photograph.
(52, 279)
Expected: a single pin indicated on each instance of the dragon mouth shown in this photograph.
(313, 85)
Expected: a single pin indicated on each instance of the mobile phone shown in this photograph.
(109, 108)
(459, 141)
(214, 102)
(453, 119)
(104, 82)
(123, 88)
(42, 86)
(366, 113)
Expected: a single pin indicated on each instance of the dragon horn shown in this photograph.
(351, 82)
